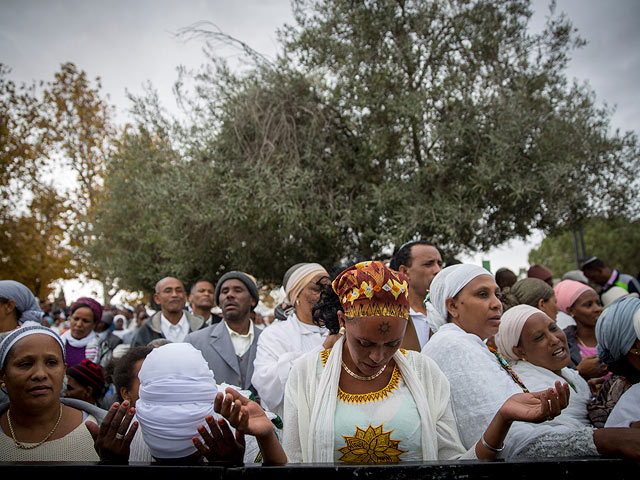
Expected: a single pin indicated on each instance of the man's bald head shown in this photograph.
(170, 295)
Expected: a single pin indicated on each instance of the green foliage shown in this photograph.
(469, 115)
(614, 240)
(382, 121)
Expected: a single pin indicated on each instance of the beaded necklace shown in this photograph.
(507, 367)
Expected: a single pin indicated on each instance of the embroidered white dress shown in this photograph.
(539, 378)
(411, 419)
(395, 435)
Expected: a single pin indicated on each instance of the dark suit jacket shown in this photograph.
(215, 344)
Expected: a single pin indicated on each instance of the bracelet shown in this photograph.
(489, 447)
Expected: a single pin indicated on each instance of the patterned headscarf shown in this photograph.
(371, 289)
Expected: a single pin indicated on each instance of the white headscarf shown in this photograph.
(177, 391)
(511, 325)
(447, 284)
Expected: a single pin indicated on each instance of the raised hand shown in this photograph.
(245, 415)
(592, 367)
(536, 407)
(112, 439)
(220, 445)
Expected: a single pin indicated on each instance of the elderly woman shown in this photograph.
(368, 401)
(533, 292)
(618, 334)
(284, 342)
(36, 425)
(81, 341)
(17, 305)
(582, 303)
(464, 310)
(537, 350)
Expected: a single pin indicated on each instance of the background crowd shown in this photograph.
(453, 362)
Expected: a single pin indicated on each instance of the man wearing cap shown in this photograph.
(598, 272)
(229, 347)
(172, 321)
(541, 273)
(420, 261)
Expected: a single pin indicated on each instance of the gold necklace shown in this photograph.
(365, 379)
(29, 447)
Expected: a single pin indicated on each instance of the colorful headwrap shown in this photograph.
(370, 289)
(95, 307)
(89, 374)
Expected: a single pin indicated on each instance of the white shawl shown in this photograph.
(479, 387)
(310, 403)
(539, 378)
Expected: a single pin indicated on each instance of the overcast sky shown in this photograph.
(128, 43)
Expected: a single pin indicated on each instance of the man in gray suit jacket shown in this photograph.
(229, 347)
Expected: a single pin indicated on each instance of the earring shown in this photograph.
(342, 331)
(524, 359)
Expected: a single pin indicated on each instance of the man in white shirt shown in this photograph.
(172, 321)
(420, 261)
(229, 347)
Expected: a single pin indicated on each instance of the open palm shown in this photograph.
(536, 407)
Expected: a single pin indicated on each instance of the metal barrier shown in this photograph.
(547, 469)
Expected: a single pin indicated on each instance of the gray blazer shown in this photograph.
(215, 344)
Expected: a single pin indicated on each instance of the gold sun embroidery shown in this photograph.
(370, 446)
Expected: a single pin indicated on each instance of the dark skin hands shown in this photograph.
(536, 407)
(112, 439)
(220, 445)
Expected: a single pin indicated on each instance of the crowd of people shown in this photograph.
(381, 362)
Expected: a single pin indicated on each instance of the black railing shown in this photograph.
(547, 469)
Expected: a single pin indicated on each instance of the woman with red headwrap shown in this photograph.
(368, 401)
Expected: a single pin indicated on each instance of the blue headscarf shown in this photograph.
(615, 329)
(27, 305)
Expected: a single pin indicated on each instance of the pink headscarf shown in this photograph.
(568, 291)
